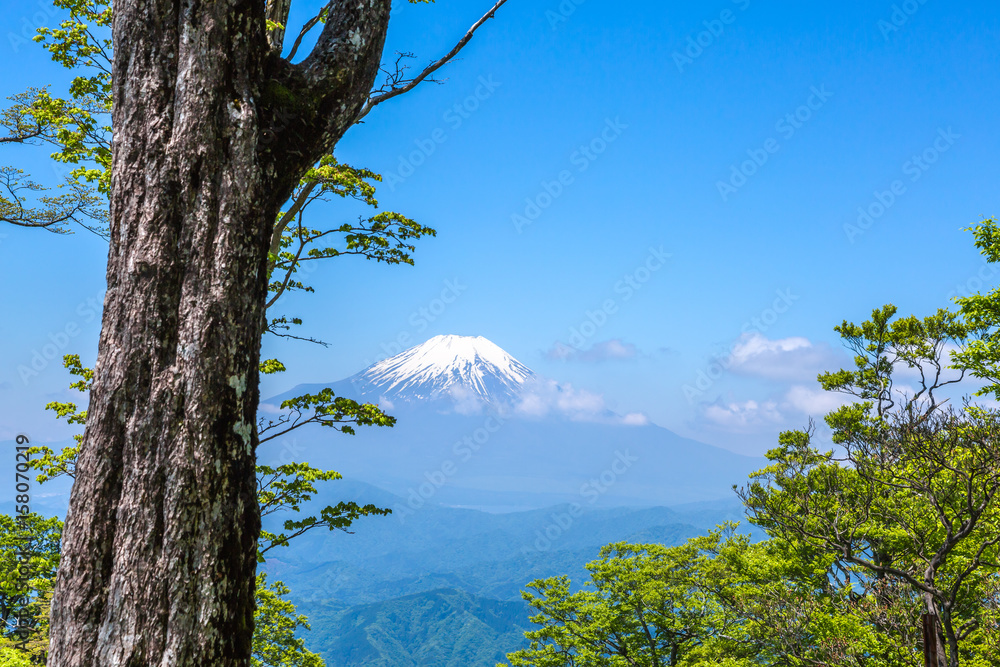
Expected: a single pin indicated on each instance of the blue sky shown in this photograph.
(590, 140)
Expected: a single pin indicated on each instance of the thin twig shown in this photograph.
(433, 67)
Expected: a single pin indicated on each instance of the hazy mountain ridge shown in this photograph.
(443, 587)
(444, 627)
(485, 554)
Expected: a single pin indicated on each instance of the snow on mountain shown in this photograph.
(460, 367)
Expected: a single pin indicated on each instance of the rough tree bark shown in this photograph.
(212, 129)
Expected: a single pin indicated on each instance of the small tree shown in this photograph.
(29, 556)
(913, 495)
(920, 509)
(648, 605)
(275, 626)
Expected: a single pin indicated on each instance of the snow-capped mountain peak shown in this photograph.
(461, 367)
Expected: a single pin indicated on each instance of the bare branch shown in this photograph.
(396, 76)
(309, 25)
(433, 67)
(23, 137)
(301, 200)
(291, 267)
(305, 339)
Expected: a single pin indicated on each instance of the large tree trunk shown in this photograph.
(211, 131)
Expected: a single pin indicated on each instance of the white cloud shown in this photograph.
(543, 397)
(533, 405)
(794, 358)
(753, 345)
(740, 416)
(635, 419)
(466, 401)
(779, 412)
(607, 350)
(815, 402)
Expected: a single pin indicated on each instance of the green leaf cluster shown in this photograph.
(276, 624)
(29, 556)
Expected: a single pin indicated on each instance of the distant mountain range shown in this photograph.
(441, 587)
(440, 628)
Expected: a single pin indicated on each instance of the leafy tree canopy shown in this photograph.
(895, 527)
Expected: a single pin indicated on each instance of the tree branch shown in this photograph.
(307, 107)
(433, 67)
(287, 217)
(347, 55)
(309, 25)
(291, 268)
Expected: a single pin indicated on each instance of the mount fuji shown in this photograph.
(459, 367)
(477, 428)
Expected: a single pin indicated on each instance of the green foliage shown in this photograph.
(715, 600)
(29, 556)
(384, 237)
(646, 605)
(326, 409)
(12, 656)
(882, 345)
(981, 312)
(77, 127)
(52, 213)
(271, 366)
(288, 486)
(901, 520)
(52, 464)
(343, 180)
(275, 625)
(36, 540)
(81, 125)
